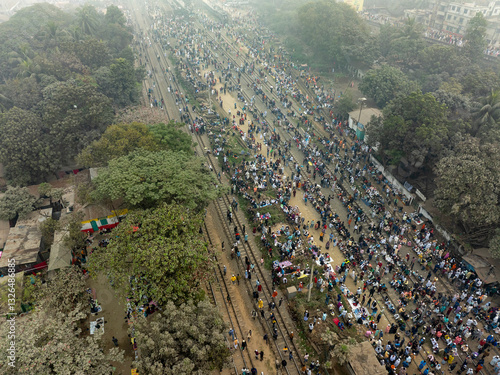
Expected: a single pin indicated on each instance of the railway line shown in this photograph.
(223, 205)
(283, 328)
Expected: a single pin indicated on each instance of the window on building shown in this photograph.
(454, 18)
(466, 11)
(458, 9)
(453, 7)
(449, 17)
(461, 20)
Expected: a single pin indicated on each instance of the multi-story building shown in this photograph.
(453, 16)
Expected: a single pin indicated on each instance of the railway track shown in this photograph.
(222, 297)
(222, 205)
(283, 329)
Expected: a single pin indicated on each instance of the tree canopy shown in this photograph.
(413, 126)
(186, 339)
(468, 183)
(17, 202)
(59, 79)
(121, 139)
(118, 140)
(385, 84)
(25, 150)
(332, 30)
(475, 37)
(145, 178)
(51, 340)
(161, 249)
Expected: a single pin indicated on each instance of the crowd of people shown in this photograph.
(394, 258)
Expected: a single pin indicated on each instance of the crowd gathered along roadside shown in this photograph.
(359, 250)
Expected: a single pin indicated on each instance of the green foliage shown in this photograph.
(75, 238)
(487, 114)
(193, 334)
(17, 202)
(76, 114)
(118, 140)
(385, 84)
(22, 93)
(495, 245)
(406, 43)
(119, 83)
(468, 183)
(336, 44)
(48, 228)
(145, 179)
(478, 81)
(44, 189)
(414, 126)
(345, 105)
(52, 343)
(340, 349)
(24, 149)
(88, 19)
(92, 52)
(476, 37)
(115, 16)
(437, 59)
(65, 292)
(170, 137)
(162, 249)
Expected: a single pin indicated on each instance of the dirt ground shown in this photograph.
(113, 312)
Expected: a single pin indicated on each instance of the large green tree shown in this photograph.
(118, 81)
(414, 126)
(145, 179)
(345, 105)
(114, 15)
(161, 249)
(88, 19)
(75, 114)
(406, 44)
(475, 37)
(437, 59)
(25, 150)
(22, 93)
(118, 140)
(185, 340)
(468, 183)
(16, 203)
(486, 115)
(50, 339)
(170, 137)
(333, 31)
(385, 84)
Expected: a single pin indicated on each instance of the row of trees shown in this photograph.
(61, 77)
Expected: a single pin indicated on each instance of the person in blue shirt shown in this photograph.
(421, 365)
